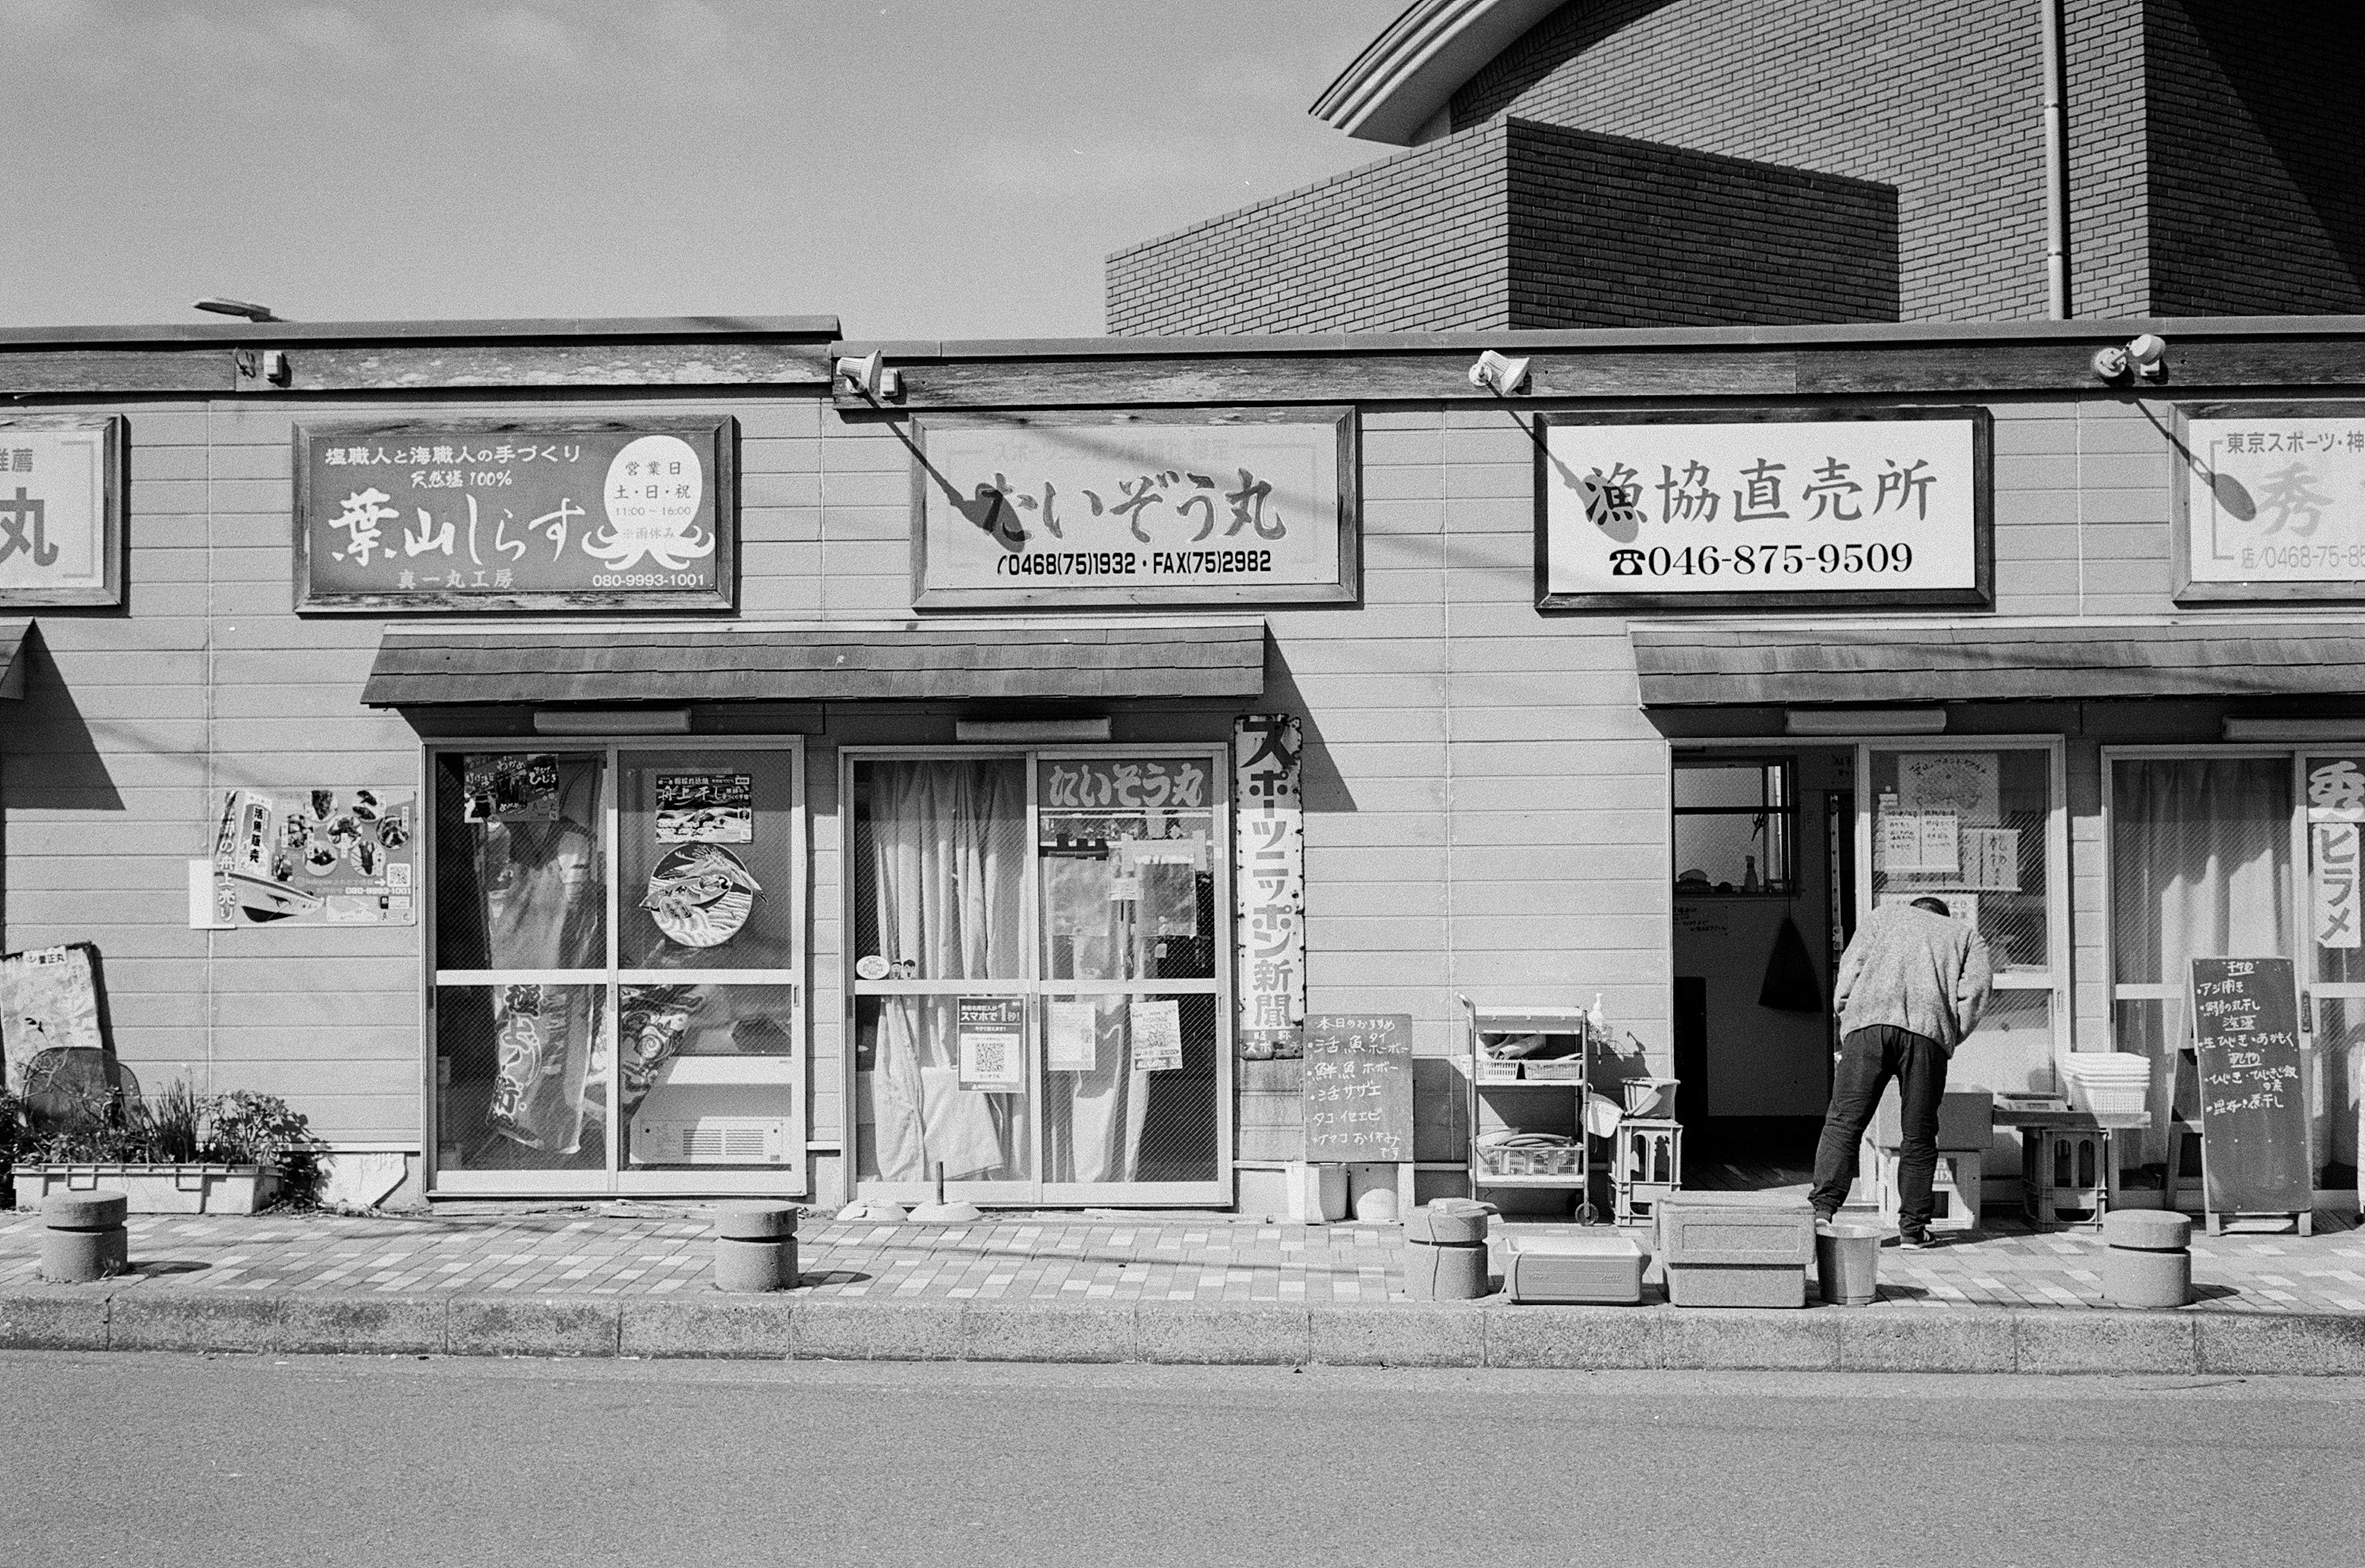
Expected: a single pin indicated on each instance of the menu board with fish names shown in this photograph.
(1357, 1088)
(2253, 1110)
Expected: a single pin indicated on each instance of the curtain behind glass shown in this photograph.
(2200, 866)
(946, 873)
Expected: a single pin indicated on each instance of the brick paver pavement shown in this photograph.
(633, 1249)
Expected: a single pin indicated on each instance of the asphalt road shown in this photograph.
(254, 1461)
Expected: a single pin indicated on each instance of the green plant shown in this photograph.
(169, 1127)
(248, 1128)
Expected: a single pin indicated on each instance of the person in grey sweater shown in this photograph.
(1911, 985)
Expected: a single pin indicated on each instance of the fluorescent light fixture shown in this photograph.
(1864, 721)
(612, 721)
(1030, 732)
(2324, 730)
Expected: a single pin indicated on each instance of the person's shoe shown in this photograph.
(1916, 1240)
(1825, 1216)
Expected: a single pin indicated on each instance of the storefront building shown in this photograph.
(660, 757)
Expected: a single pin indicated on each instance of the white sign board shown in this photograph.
(61, 510)
(2270, 501)
(1668, 511)
(1178, 507)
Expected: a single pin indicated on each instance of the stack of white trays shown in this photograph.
(2107, 1083)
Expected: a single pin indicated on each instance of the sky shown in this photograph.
(918, 168)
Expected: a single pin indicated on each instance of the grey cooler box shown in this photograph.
(1594, 1270)
(1736, 1249)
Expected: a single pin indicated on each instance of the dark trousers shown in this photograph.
(1868, 1059)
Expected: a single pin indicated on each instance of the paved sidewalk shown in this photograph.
(533, 1279)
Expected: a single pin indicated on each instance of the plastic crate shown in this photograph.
(1553, 1159)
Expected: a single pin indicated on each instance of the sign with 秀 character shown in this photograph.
(2268, 502)
(516, 514)
(1763, 508)
(61, 487)
(1269, 879)
(1181, 506)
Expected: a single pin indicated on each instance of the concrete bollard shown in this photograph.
(84, 1239)
(754, 1247)
(2146, 1258)
(1445, 1251)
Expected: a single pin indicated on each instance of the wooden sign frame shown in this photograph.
(2189, 1057)
(112, 551)
(721, 483)
(2188, 468)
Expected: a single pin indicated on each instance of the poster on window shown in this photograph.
(1269, 883)
(62, 486)
(1157, 1029)
(989, 1034)
(315, 858)
(1182, 506)
(2268, 502)
(1782, 507)
(492, 515)
(508, 787)
(706, 808)
(1968, 783)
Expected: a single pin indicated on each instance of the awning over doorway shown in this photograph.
(436, 666)
(12, 657)
(1790, 667)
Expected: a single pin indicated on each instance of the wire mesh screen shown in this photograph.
(521, 879)
(2199, 863)
(940, 866)
(1969, 828)
(913, 1116)
(709, 1075)
(1131, 1085)
(522, 1077)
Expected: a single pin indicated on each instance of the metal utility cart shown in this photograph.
(1529, 1092)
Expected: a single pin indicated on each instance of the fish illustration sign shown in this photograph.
(497, 515)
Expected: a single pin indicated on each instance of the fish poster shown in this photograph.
(706, 808)
(317, 858)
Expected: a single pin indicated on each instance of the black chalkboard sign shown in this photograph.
(1357, 1088)
(2253, 1115)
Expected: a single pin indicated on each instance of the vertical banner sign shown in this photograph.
(61, 510)
(992, 1034)
(2335, 806)
(1270, 879)
(2254, 1153)
(1357, 1089)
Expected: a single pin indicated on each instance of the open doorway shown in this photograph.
(1764, 865)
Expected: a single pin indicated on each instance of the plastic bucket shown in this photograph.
(1847, 1263)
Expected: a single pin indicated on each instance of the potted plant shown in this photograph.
(176, 1152)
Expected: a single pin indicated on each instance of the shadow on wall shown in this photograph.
(1326, 789)
(50, 759)
(1542, 49)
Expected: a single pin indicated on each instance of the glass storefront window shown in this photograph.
(1970, 827)
(1734, 825)
(619, 973)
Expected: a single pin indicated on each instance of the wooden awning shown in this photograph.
(1790, 667)
(438, 666)
(12, 634)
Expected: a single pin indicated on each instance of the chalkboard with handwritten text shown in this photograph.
(1357, 1088)
(2253, 1113)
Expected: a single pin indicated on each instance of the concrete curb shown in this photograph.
(1492, 1334)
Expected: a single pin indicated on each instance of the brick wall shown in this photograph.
(2257, 175)
(1607, 231)
(1940, 102)
(1416, 242)
(2102, 44)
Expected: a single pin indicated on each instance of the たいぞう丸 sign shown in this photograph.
(494, 515)
(1185, 506)
(1778, 507)
(61, 509)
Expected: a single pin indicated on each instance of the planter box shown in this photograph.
(157, 1189)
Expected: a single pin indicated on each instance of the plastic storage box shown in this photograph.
(1604, 1270)
(1736, 1249)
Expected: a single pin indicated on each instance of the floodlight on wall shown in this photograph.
(868, 376)
(2144, 356)
(1500, 373)
(234, 308)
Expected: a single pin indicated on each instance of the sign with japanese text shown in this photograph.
(2270, 501)
(1270, 883)
(991, 1035)
(317, 858)
(2336, 808)
(1357, 1088)
(61, 509)
(500, 515)
(1182, 507)
(1780, 507)
(2254, 1154)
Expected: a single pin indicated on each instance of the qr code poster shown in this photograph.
(991, 1031)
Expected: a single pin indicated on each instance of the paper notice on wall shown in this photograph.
(1991, 858)
(1074, 1043)
(315, 858)
(1157, 1029)
(2332, 853)
(1968, 784)
(992, 1034)
(1897, 842)
(1941, 842)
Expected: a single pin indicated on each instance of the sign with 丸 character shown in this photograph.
(2270, 501)
(1772, 508)
(501, 515)
(62, 486)
(1182, 506)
